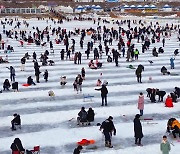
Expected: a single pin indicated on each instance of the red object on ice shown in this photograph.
(25, 85)
(169, 102)
(84, 142)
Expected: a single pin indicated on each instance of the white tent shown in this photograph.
(132, 6)
(80, 9)
(153, 7)
(98, 8)
(126, 7)
(146, 6)
(140, 7)
(167, 8)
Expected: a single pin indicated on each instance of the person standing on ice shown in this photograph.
(172, 62)
(104, 93)
(141, 103)
(138, 130)
(12, 73)
(165, 146)
(108, 127)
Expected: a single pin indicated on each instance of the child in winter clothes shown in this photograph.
(75, 86)
(141, 103)
(165, 146)
(98, 83)
(45, 75)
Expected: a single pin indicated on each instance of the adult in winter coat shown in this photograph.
(82, 115)
(173, 125)
(83, 73)
(90, 115)
(79, 81)
(104, 93)
(141, 103)
(17, 146)
(108, 127)
(12, 73)
(177, 91)
(172, 62)
(161, 94)
(138, 74)
(30, 81)
(165, 147)
(6, 84)
(78, 149)
(15, 121)
(137, 130)
(23, 61)
(164, 70)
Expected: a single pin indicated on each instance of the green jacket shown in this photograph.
(136, 52)
(165, 147)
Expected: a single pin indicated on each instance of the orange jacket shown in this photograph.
(175, 123)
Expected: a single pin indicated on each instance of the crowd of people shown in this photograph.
(100, 46)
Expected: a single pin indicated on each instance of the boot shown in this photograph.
(106, 144)
(110, 146)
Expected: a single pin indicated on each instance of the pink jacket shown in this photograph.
(141, 102)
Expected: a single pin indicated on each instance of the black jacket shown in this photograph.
(17, 145)
(103, 90)
(90, 115)
(76, 151)
(137, 128)
(108, 126)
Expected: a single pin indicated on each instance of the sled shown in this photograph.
(174, 74)
(131, 67)
(85, 142)
(26, 85)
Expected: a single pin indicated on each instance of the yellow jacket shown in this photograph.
(175, 123)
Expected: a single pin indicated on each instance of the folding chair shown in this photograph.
(36, 150)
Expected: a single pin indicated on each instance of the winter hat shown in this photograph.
(15, 114)
(137, 116)
(110, 117)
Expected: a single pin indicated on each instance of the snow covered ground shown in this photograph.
(45, 121)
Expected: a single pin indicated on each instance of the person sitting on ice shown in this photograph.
(174, 126)
(164, 70)
(168, 102)
(98, 64)
(15, 121)
(174, 97)
(109, 59)
(63, 80)
(160, 50)
(3, 60)
(90, 115)
(17, 146)
(176, 52)
(91, 65)
(154, 52)
(99, 83)
(82, 116)
(6, 85)
(30, 81)
(177, 91)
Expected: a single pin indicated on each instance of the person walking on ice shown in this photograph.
(108, 127)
